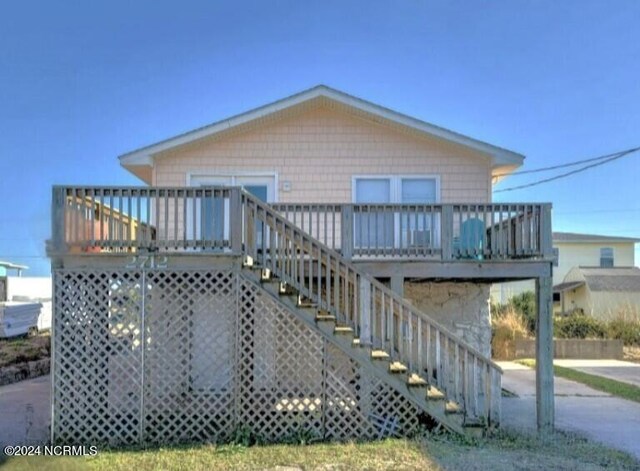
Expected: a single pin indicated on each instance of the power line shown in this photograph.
(572, 172)
(569, 164)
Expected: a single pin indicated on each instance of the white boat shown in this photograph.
(18, 318)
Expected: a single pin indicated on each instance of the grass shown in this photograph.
(610, 386)
(21, 349)
(388, 454)
(504, 451)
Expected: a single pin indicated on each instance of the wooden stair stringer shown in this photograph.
(416, 395)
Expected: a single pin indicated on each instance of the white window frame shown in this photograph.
(395, 184)
(395, 190)
(612, 258)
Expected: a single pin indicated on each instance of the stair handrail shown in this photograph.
(250, 247)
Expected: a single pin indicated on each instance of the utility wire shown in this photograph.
(569, 164)
(572, 172)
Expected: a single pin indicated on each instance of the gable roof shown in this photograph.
(575, 237)
(612, 279)
(321, 94)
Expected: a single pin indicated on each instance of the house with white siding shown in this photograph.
(592, 274)
(320, 262)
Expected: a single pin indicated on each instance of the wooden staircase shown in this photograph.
(428, 365)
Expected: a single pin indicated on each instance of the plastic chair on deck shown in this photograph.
(472, 240)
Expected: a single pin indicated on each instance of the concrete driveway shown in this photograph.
(596, 415)
(624, 371)
(25, 412)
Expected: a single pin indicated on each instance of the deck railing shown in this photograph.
(445, 231)
(113, 219)
(379, 318)
(229, 219)
(117, 219)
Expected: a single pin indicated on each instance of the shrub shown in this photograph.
(524, 304)
(625, 326)
(579, 326)
(507, 326)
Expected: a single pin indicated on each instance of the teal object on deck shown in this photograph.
(472, 239)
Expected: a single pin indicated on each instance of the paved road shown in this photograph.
(25, 412)
(599, 416)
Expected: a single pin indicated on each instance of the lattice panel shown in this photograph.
(211, 352)
(360, 405)
(97, 357)
(189, 384)
(281, 364)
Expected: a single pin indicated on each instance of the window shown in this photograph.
(606, 257)
(386, 229)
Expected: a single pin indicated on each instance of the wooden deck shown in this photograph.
(493, 242)
(180, 236)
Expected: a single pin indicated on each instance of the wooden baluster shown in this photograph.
(390, 325)
(420, 341)
(429, 358)
(456, 373)
(474, 384)
(438, 365)
(410, 340)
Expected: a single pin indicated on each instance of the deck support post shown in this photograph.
(58, 220)
(446, 232)
(544, 357)
(397, 285)
(235, 216)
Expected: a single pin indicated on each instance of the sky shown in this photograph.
(83, 82)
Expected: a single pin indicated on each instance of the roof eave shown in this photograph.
(144, 156)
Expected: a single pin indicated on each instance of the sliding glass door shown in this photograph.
(212, 215)
(373, 228)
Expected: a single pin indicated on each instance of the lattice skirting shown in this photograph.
(160, 356)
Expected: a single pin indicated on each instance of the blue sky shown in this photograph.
(81, 84)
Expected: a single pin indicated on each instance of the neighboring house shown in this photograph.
(600, 292)
(582, 278)
(589, 250)
(314, 263)
(4, 266)
(575, 250)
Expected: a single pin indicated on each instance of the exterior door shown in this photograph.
(213, 224)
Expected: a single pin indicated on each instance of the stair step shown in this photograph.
(324, 316)
(434, 395)
(286, 289)
(452, 408)
(305, 302)
(247, 261)
(379, 355)
(416, 381)
(397, 367)
(343, 329)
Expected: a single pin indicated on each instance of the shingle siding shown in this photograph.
(320, 150)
